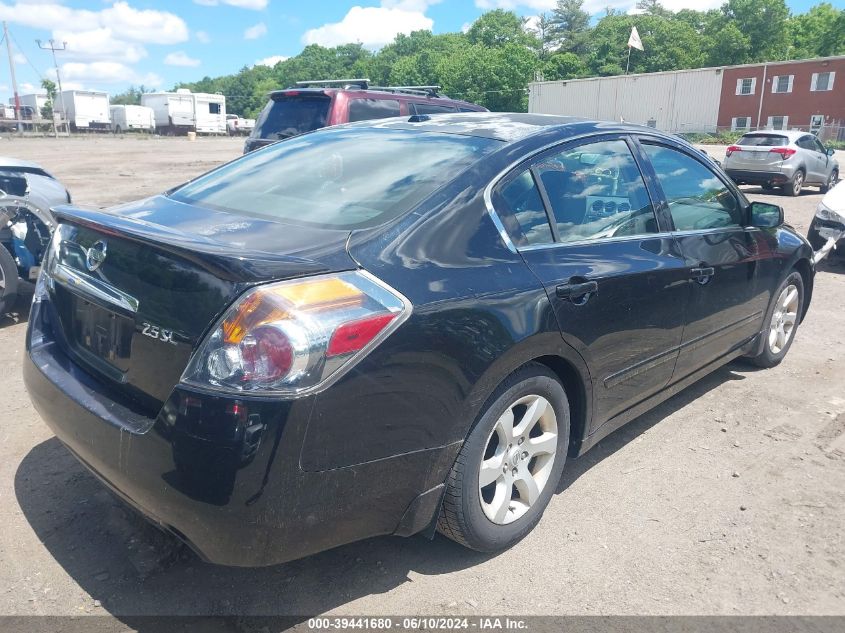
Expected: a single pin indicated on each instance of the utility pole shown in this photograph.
(12, 73)
(53, 48)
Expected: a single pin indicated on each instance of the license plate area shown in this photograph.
(101, 334)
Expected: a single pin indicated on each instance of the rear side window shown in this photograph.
(522, 199)
(291, 115)
(697, 197)
(763, 140)
(367, 109)
(214, 108)
(430, 108)
(338, 178)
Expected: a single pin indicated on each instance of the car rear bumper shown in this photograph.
(224, 475)
(748, 177)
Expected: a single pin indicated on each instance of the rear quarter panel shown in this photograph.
(479, 314)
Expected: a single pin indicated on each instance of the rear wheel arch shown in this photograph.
(570, 371)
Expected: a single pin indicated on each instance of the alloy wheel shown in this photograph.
(798, 183)
(784, 319)
(518, 459)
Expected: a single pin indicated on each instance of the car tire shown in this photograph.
(794, 186)
(831, 181)
(8, 280)
(488, 518)
(778, 334)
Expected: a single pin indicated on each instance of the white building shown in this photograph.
(674, 101)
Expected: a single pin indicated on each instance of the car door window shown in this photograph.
(819, 147)
(428, 108)
(806, 142)
(596, 191)
(522, 198)
(367, 109)
(698, 199)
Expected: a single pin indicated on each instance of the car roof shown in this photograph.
(503, 126)
(792, 135)
(370, 91)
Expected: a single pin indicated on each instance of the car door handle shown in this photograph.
(577, 290)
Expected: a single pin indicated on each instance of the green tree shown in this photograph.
(570, 24)
(818, 32)
(653, 7)
(130, 96)
(563, 65)
(47, 108)
(499, 28)
(763, 22)
(544, 31)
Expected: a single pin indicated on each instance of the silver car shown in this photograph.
(790, 160)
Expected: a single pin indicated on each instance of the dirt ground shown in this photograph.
(727, 499)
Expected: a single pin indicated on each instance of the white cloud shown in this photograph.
(99, 45)
(147, 26)
(202, 37)
(180, 58)
(104, 73)
(255, 5)
(270, 61)
(256, 31)
(372, 26)
(19, 58)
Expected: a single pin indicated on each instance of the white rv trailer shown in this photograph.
(185, 111)
(125, 118)
(87, 110)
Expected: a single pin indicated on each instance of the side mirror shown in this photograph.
(764, 215)
(831, 152)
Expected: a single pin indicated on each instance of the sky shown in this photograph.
(113, 44)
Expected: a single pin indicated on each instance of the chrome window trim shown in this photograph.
(603, 240)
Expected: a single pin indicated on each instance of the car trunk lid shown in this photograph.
(135, 289)
(754, 152)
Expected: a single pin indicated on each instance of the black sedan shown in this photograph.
(398, 326)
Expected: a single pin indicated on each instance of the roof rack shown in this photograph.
(429, 91)
(346, 83)
(364, 84)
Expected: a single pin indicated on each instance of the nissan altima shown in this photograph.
(398, 326)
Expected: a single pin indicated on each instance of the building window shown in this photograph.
(741, 123)
(782, 83)
(746, 86)
(778, 122)
(822, 82)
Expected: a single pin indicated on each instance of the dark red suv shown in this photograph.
(315, 104)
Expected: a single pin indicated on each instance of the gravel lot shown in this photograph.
(727, 499)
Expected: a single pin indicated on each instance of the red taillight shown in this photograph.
(785, 152)
(732, 149)
(351, 337)
(267, 354)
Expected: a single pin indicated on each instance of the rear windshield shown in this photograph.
(764, 140)
(340, 178)
(291, 115)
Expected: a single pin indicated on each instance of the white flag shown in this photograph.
(635, 41)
